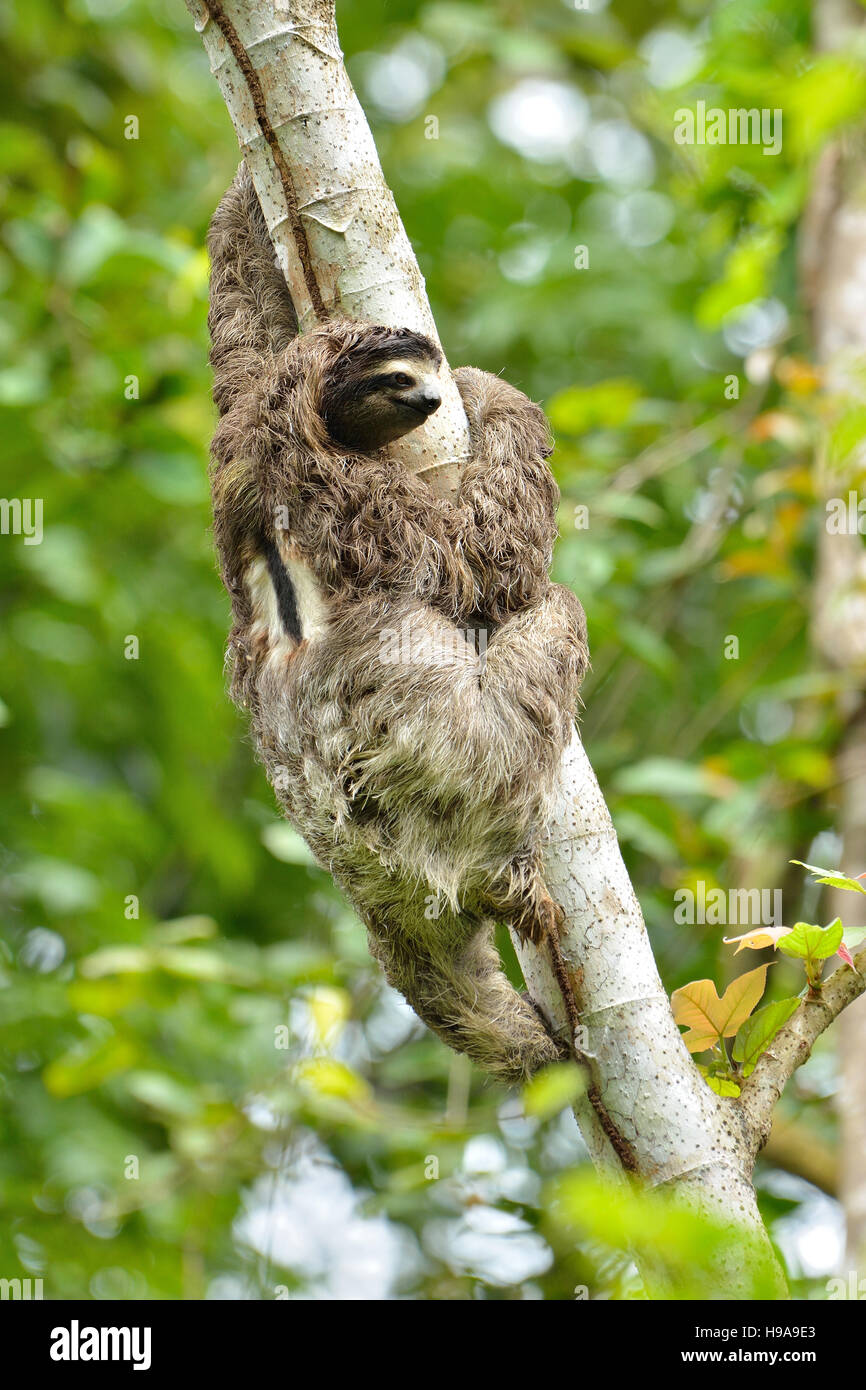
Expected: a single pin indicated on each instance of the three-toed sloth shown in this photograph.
(410, 670)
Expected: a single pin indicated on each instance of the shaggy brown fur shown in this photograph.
(420, 780)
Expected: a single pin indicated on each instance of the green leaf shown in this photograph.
(553, 1090)
(757, 1032)
(834, 878)
(722, 1085)
(105, 997)
(846, 436)
(667, 777)
(88, 1065)
(116, 960)
(162, 1093)
(180, 929)
(831, 940)
(192, 963)
(647, 646)
(744, 279)
(827, 94)
(809, 942)
(327, 1077)
(605, 405)
(60, 887)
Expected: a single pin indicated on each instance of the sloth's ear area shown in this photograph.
(286, 407)
(311, 367)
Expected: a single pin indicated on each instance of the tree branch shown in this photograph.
(792, 1045)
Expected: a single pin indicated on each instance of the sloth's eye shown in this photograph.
(401, 379)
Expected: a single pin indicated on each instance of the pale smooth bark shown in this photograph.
(647, 1111)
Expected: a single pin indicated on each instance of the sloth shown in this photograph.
(421, 781)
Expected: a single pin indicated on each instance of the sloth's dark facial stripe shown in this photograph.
(287, 602)
(403, 350)
(389, 344)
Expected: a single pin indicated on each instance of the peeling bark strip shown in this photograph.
(621, 1148)
(251, 77)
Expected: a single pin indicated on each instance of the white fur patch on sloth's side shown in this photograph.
(312, 609)
(267, 625)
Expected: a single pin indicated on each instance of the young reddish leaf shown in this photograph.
(741, 997)
(757, 938)
(846, 956)
(709, 1018)
(696, 1006)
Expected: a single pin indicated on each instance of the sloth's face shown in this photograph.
(382, 401)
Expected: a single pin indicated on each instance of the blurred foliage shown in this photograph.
(207, 1088)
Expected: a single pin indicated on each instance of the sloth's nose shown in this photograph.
(426, 398)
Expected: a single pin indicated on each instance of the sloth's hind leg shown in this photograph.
(466, 998)
(520, 897)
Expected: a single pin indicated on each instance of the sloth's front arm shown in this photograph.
(508, 496)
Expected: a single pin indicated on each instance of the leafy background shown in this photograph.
(162, 929)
